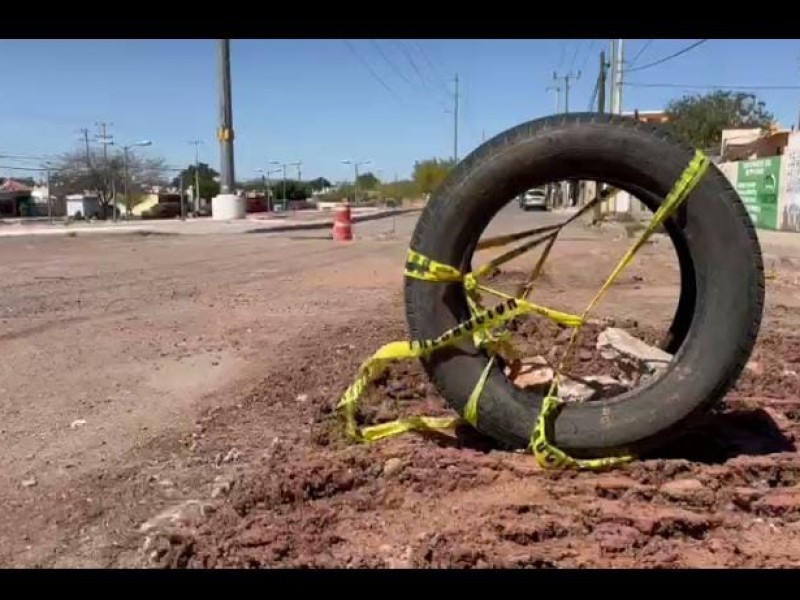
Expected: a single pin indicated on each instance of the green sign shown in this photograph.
(758, 187)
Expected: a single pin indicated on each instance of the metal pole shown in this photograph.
(601, 84)
(196, 177)
(355, 184)
(127, 178)
(597, 212)
(283, 192)
(455, 123)
(49, 199)
(183, 199)
(567, 84)
(226, 120)
(612, 87)
(619, 73)
(557, 90)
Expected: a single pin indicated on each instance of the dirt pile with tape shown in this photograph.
(726, 495)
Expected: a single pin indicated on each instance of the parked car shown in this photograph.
(534, 199)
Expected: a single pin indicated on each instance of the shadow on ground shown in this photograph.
(716, 439)
(720, 437)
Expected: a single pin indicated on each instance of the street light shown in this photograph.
(267, 183)
(356, 164)
(283, 168)
(127, 177)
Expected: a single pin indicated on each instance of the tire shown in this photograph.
(715, 325)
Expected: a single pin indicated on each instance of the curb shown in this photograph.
(144, 230)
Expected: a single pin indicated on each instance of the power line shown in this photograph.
(575, 55)
(710, 87)
(391, 64)
(641, 51)
(413, 64)
(594, 95)
(670, 57)
(564, 45)
(588, 53)
(372, 71)
(437, 76)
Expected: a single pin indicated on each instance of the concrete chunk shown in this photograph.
(615, 343)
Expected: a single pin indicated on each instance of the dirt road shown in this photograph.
(142, 372)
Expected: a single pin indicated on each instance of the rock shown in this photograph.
(232, 455)
(77, 423)
(614, 342)
(754, 367)
(585, 354)
(186, 514)
(683, 489)
(302, 398)
(564, 335)
(534, 377)
(571, 390)
(780, 502)
(29, 482)
(221, 487)
(743, 497)
(789, 373)
(613, 537)
(392, 467)
(610, 386)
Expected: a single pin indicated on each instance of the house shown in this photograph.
(83, 206)
(753, 143)
(15, 199)
(648, 116)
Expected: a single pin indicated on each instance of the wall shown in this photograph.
(753, 181)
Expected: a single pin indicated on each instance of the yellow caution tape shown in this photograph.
(483, 321)
(549, 456)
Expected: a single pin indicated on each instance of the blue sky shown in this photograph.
(316, 101)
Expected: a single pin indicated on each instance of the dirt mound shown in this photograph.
(727, 494)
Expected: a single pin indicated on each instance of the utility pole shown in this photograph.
(567, 84)
(183, 198)
(619, 74)
(356, 164)
(107, 140)
(196, 194)
(225, 133)
(49, 196)
(557, 90)
(601, 108)
(601, 83)
(455, 121)
(612, 88)
(85, 132)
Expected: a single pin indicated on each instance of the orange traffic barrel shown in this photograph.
(342, 224)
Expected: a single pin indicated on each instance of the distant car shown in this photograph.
(533, 200)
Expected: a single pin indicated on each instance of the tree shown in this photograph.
(77, 173)
(207, 178)
(368, 181)
(429, 174)
(400, 190)
(699, 119)
(318, 184)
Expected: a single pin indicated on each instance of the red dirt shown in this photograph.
(263, 453)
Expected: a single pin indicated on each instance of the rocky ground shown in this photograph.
(253, 469)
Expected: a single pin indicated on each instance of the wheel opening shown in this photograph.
(640, 323)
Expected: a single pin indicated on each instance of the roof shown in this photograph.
(9, 185)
